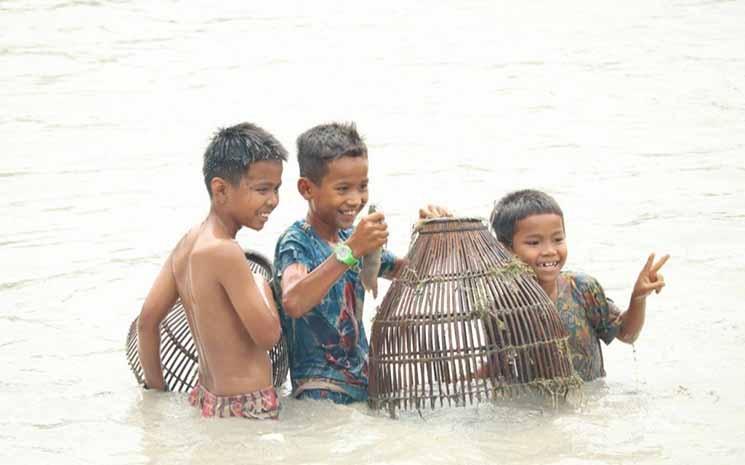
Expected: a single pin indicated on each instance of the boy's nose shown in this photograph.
(548, 250)
(273, 199)
(358, 201)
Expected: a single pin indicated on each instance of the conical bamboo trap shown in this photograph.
(178, 354)
(465, 322)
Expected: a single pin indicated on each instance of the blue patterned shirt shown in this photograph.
(589, 317)
(328, 342)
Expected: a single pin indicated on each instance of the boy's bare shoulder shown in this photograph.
(219, 253)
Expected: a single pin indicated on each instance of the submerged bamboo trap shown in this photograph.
(463, 323)
(178, 354)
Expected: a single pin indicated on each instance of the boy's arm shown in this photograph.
(255, 307)
(158, 302)
(649, 280)
(301, 290)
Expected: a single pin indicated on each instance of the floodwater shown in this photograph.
(632, 114)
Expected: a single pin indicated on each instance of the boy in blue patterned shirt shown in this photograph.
(317, 266)
(531, 224)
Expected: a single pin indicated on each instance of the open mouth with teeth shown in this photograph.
(349, 213)
(548, 265)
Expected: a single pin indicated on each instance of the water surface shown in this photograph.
(632, 115)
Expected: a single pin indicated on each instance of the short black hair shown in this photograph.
(517, 206)
(233, 149)
(322, 144)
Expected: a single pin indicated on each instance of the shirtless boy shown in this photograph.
(232, 315)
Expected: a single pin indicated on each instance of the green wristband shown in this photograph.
(343, 253)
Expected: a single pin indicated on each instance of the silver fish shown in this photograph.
(371, 266)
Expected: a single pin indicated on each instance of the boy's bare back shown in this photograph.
(232, 317)
(231, 361)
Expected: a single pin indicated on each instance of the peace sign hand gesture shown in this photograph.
(650, 279)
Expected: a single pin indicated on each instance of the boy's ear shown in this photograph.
(306, 188)
(219, 188)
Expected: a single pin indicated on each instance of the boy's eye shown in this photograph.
(265, 190)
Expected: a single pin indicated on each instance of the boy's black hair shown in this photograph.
(322, 144)
(233, 149)
(517, 206)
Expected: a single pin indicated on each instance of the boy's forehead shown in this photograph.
(263, 169)
(539, 222)
(346, 167)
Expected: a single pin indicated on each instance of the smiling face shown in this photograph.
(256, 195)
(340, 196)
(540, 242)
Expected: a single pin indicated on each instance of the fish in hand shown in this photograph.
(371, 266)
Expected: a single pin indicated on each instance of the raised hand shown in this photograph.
(433, 211)
(650, 279)
(370, 234)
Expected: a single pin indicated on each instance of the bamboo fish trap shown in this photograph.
(178, 354)
(465, 322)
